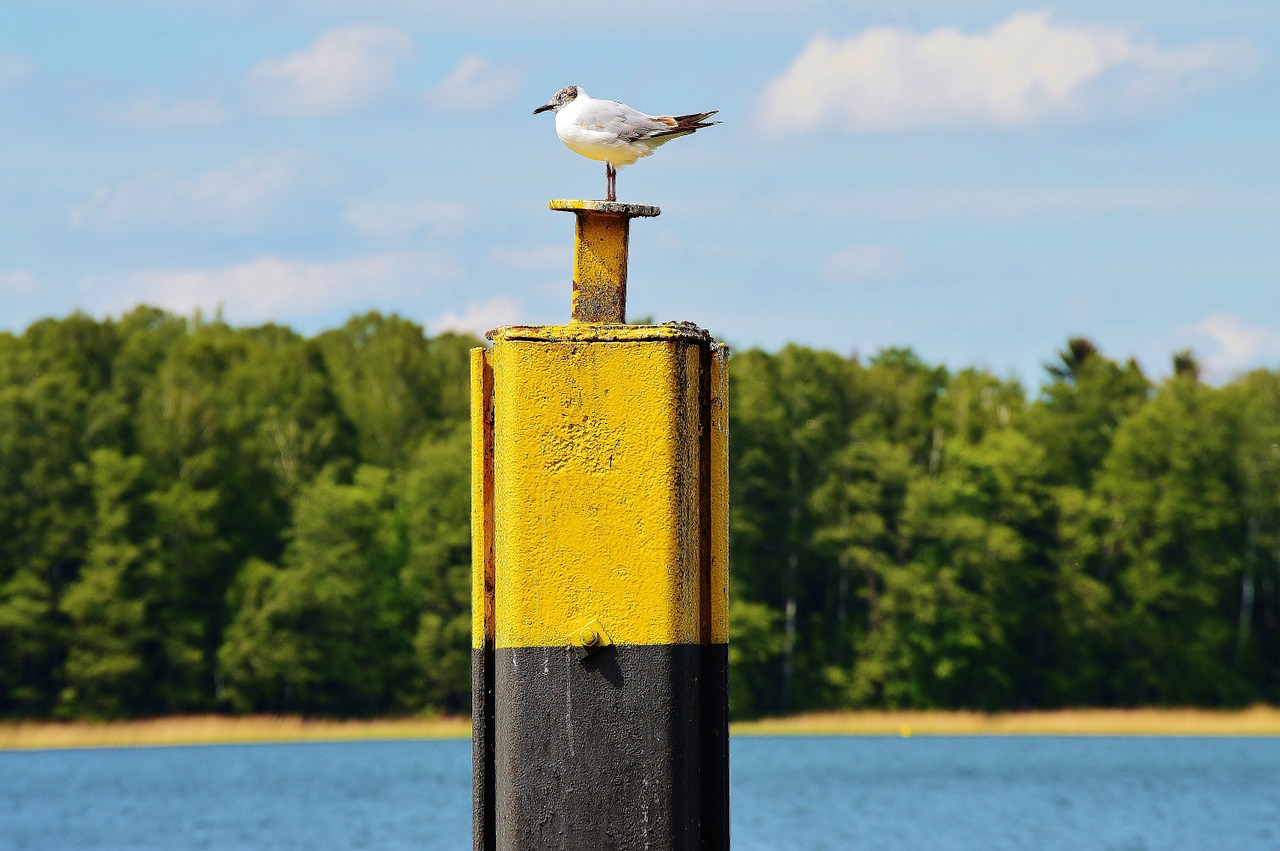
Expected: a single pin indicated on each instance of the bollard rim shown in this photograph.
(608, 208)
(600, 332)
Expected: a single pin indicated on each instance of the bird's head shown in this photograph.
(560, 99)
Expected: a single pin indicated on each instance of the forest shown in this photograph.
(197, 517)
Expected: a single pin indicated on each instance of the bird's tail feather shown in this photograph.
(695, 118)
(685, 124)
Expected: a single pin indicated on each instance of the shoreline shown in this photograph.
(181, 730)
(260, 729)
(1254, 721)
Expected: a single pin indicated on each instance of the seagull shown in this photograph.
(614, 132)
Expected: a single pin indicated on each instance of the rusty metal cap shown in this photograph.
(610, 208)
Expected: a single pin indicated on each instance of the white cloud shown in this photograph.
(17, 282)
(13, 70)
(389, 221)
(540, 259)
(271, 287)
(1234, 344)
(237, 195)
(864, 263)
(341, 70)
(476, 84)
(1025, 69)
(154, 112)
(478, 317)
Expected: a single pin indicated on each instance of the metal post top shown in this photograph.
(608, 208)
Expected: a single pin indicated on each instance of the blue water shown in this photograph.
(787, 793)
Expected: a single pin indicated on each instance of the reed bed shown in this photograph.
(220, 729)
(1255, 721)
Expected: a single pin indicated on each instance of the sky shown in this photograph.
(977, 179)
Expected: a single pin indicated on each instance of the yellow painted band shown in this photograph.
(600, 269)
(599, 496)
(482, 577)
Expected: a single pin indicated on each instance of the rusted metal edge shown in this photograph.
(610, 208)
(600, 332)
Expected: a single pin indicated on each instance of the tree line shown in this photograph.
(198, 517)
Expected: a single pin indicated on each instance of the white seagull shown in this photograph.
(614, 132)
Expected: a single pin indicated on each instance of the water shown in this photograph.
(1042, 793)
(806, 794)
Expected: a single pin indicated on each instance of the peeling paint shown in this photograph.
(600, 518)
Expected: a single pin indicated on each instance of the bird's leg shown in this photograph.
(611, 182)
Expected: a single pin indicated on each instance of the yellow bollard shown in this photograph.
(600, 257)
(600, 587)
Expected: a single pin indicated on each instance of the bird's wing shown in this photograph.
(621, 121)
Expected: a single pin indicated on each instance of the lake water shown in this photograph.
(802, 793)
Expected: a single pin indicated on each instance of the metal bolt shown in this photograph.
(588, 636)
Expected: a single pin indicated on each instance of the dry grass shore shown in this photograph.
(1256, 721)
(221, 729)
(218, 729)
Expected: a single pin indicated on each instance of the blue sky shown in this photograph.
(977, 179)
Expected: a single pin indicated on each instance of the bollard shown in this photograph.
(600, 247)
(600, 573)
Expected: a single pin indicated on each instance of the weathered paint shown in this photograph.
(481, 499)
(601, 333)
(610, 208)
(596, 467)
(601, 512)
(715, 658)
(717, 453)
(617, 751)
(483, 837)
(600, 257)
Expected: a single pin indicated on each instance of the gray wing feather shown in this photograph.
(622, 121)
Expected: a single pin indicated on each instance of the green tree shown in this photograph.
(1256, 400)
(859, 505)
(49, 378)
(321, 633)
(755, 652)
(957, 621)
(105, 605)
(1085, 611)
(394, 384)
(235, 422)
(197, 516)
(1080, 408)
(1175, 526)
(790, 412)
(437, 573)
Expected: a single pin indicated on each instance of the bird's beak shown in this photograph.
(544, 108)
